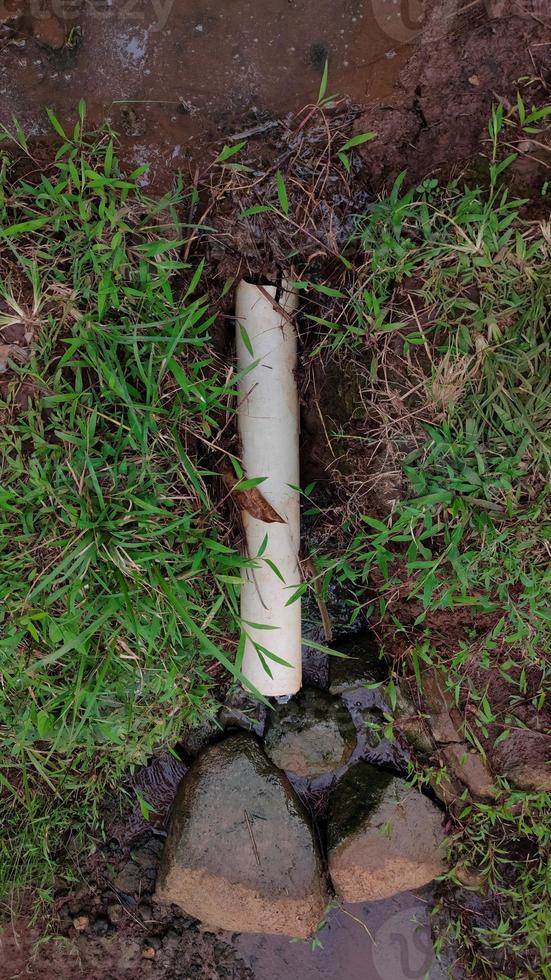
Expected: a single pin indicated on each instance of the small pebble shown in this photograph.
(468, 877)
(101, 925)
(115, 912)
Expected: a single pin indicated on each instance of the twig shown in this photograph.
(250, 829)
(255, 130)
(359, 921)
(322, 606)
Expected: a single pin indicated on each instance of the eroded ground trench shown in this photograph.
(178, 80)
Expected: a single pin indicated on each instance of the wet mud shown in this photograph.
(104, 938)
(170, 74)
(173, 78)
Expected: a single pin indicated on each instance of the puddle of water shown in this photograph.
(189, 69)
(389, 940)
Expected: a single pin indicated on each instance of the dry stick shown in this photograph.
(250, 829)
(322, 420)
(256, 130)
(359, 921)
(531, 156)
(324, 175)
(275, 305)
(322, 606)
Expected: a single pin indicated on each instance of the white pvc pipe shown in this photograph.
(268, 418)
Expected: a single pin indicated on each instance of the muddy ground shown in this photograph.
(111, 927)
(176, 79)
(158, 945)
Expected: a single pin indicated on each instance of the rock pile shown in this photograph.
(242, 853)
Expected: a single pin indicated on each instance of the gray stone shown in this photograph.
(415, 732)
(405, 708)
(524, 757)
(384, 836)
(138, 874)
(129, 879)
(466, 765)
(439, 730)
(310, 735)
(241, 710)
(235, 718)
(196, 739)
(445, 721)
(373, 720)
(362, 666)
(240, 853)
(410, 720)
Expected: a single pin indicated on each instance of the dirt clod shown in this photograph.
(49, 31)
(81, 923)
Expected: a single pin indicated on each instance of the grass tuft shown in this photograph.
(118, 587)
(446, 320)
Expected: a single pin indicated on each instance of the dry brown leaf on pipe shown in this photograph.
(250, 499)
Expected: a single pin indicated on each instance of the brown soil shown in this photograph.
(169, 74)
(438, 111)
(171, 948)
(173, 78)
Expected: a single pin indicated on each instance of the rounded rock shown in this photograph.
(311, 735)
(384, 836)
(240, 853)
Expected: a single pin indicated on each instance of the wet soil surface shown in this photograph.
(112, 929)
(173, 77)
(167, 72)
